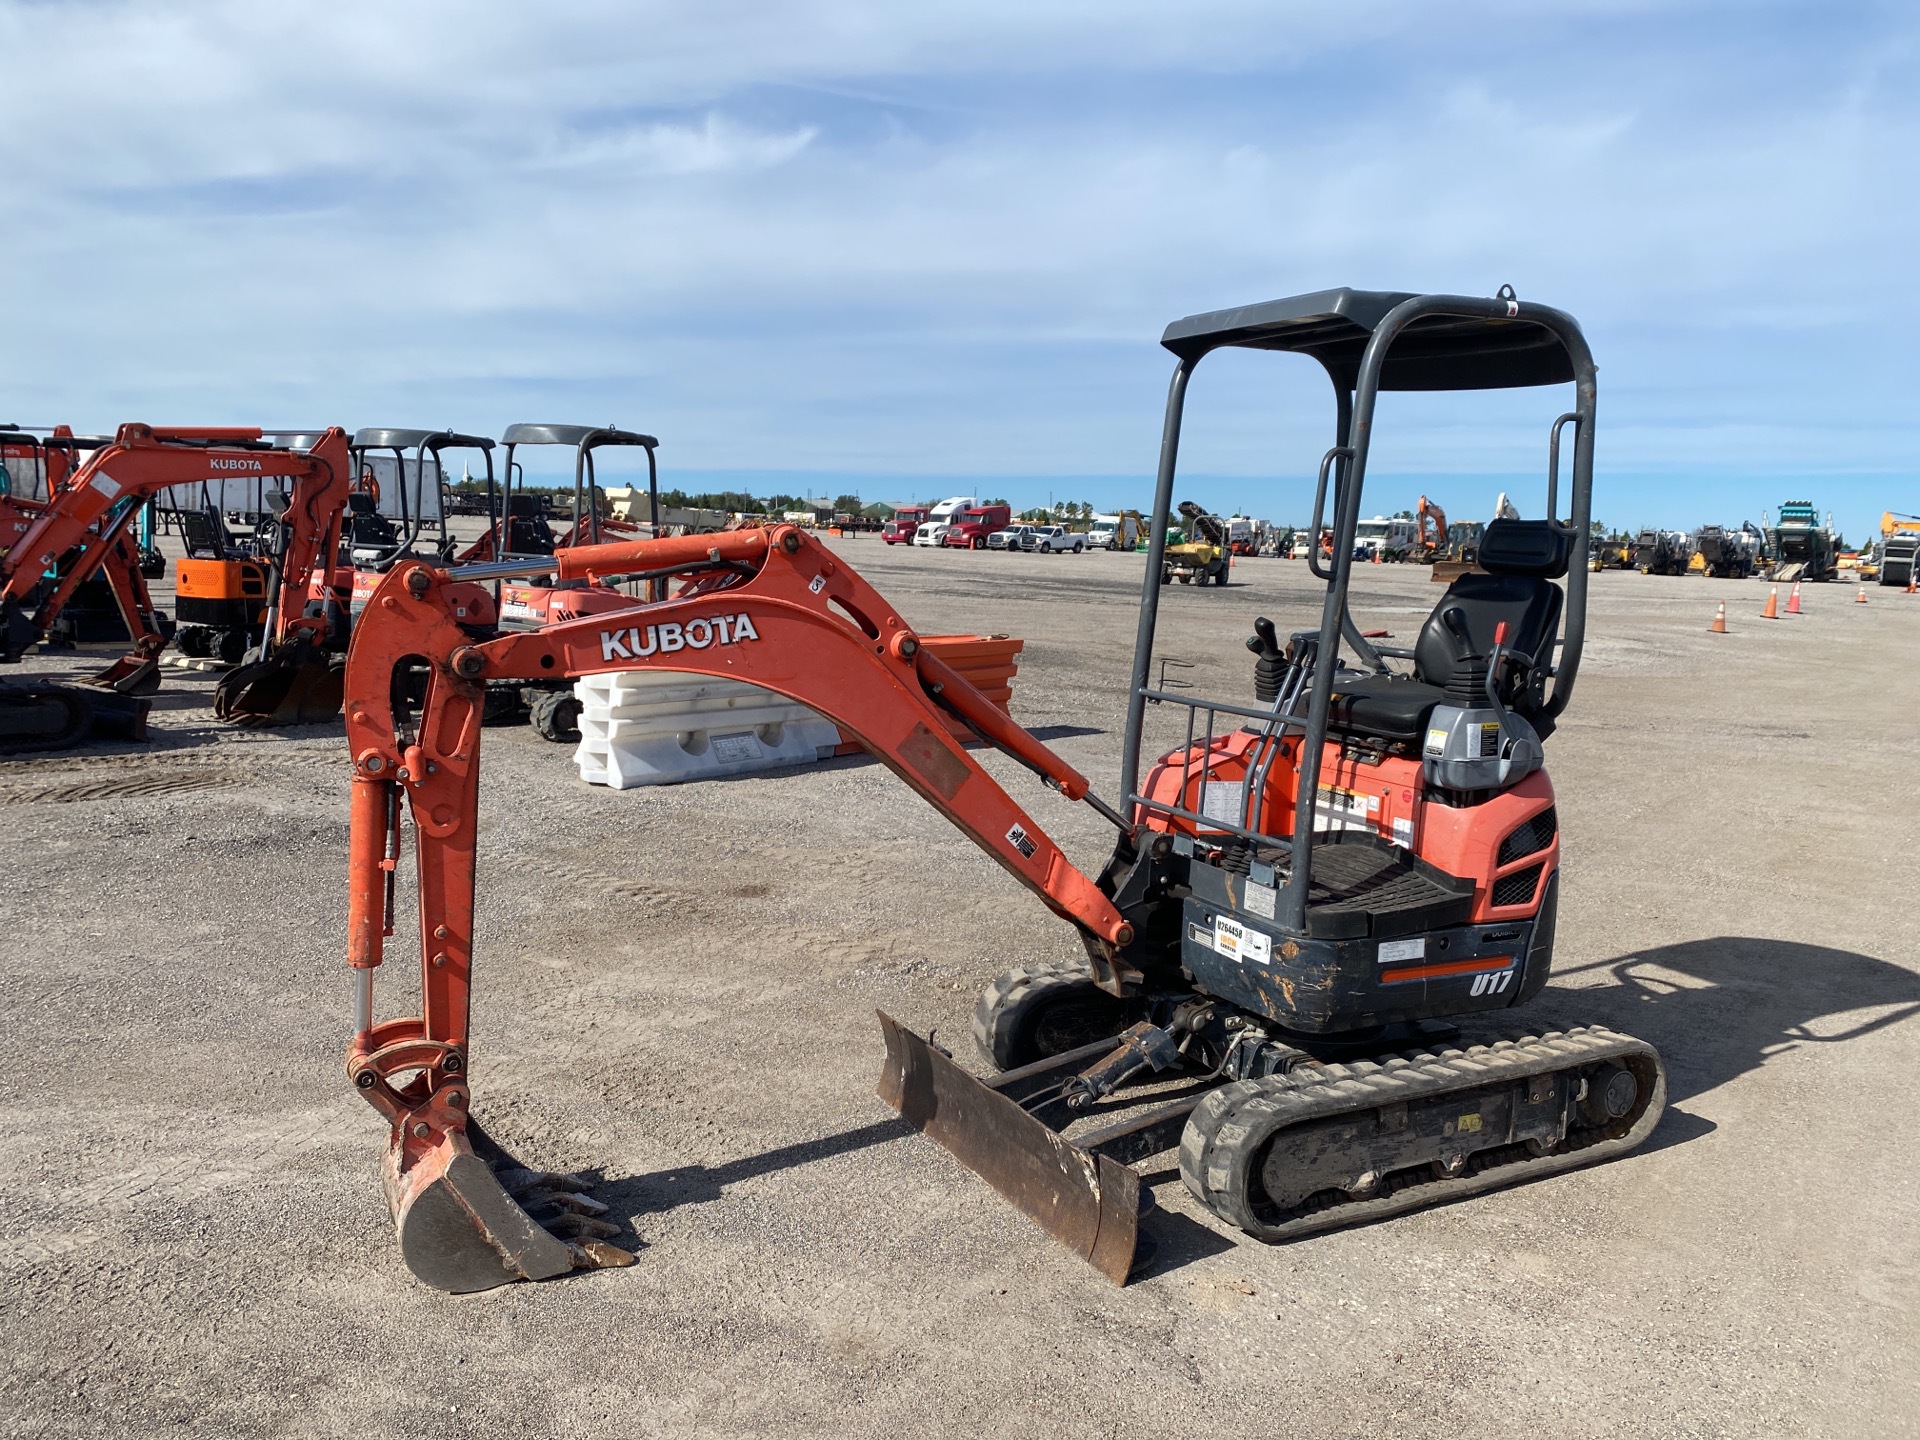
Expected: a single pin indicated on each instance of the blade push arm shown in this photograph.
(772, 608)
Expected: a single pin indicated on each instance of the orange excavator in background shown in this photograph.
(1430, 532)
(1294, 913)
(290, 680)
(37, 469)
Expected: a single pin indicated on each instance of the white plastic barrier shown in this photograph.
(663, 727)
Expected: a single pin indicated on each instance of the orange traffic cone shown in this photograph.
(1861, 598)
(1793, 600)
(1772, 612)
(1719, 625)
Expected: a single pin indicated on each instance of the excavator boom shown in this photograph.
(772, 607)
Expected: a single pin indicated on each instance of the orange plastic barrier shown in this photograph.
(986, 662)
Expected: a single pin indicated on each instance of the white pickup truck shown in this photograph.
(1054, 538)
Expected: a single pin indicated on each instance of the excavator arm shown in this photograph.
(1430, 516)
(771, 607)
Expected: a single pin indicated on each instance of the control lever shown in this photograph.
(1270, 663)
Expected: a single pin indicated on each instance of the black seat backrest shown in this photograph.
(1522, 559)
(528, 532)
(206, 535)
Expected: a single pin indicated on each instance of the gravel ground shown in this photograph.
(676, 991)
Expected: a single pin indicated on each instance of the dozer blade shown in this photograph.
(291, 687)
(1089, 1203)
(463, 1227)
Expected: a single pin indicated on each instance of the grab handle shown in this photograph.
(1338, 452)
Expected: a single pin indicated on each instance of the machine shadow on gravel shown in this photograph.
(1178, 1240)
(1719, 1008)
(663, 1190)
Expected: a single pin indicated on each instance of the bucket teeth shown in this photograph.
(518, 1181)
(598, 1255)
(576, 1202)
(582, 1227)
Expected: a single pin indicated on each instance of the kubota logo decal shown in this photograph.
(636, 642)
(250, 466)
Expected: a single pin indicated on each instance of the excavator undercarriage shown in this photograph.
(1303, 899)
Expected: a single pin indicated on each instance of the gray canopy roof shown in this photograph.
(1436, 352)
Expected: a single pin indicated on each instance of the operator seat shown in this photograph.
(1522, 559)
(367, 528)
(206, 535)
(528, 532)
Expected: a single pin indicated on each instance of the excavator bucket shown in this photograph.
(466, 1214)
(294, 684)
(1089, 1203)
(134, 673)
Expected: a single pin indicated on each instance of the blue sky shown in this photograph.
(901, 249)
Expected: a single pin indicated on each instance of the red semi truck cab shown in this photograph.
(899, 530)
(971, 527)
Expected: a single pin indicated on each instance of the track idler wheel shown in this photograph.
(471, 1217)
(292, 684)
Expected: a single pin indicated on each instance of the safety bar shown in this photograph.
(1276, 719)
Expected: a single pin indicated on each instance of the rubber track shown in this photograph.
(1233, 1124)
(993, 1012)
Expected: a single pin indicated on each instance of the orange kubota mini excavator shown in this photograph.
(290, 681)
(42, 467)
(1292, 911)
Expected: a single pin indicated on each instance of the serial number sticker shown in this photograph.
(732, 749)
(1237, 942)
(1391, 950)
(1259, 899)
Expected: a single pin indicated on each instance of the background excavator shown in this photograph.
(111, 601)
(1430, 532)
(289, 680)
(1303, 894)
